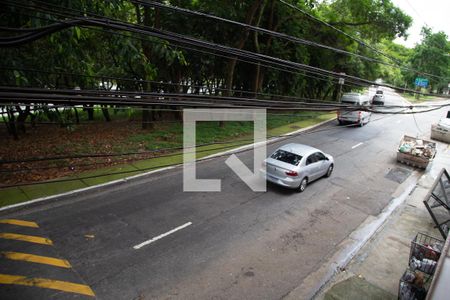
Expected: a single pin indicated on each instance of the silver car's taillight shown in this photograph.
(291, 173)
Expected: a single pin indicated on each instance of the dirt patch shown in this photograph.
(54, 141)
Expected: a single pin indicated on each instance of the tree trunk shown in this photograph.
(148, 115)
(146, 118)
(272, 25)
(239, 45)
(327, 92)
(336, 93)
(258, 50)
(12, 123)
(59, 117)
(22, 117)
(90, 111)
(105, 112)
(33, 120)
(77, 117)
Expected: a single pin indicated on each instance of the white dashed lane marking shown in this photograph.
(357, 145)
(161, 236)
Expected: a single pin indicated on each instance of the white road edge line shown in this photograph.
(357, 145)
(161, 236)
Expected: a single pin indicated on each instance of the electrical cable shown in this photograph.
(168, 149)
(190, 86)
(282, 35)
(223, 49)
(127, 98)
(285, 70)
(239, 59)
(361, 42)
(158, 95)
(253, 28)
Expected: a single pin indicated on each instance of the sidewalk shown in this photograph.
(374, 272)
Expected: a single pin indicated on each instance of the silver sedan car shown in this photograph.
(295, 165)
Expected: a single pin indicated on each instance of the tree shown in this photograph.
(432, 56)
(402, 54)
(372, 19)
(102, 56)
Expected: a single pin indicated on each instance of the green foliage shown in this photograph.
(432, 56)
(372, 19)
(394, 75)
(103, 53)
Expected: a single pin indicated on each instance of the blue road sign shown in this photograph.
(422, 82)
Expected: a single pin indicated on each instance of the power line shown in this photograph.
(159, 95)
(256, 57)
(101, 77)
(417, 13)
(254, 28)
(359, 41)
(127, 98)
(100, 155)
(162, 83)
(262, 30)
(247, 26)
(354, 83)
(97, 155)
(246, 55)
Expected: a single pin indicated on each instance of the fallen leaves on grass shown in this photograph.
(52, 141)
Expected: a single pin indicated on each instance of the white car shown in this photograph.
(353, 114)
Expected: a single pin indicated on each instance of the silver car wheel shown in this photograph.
(330, 170)
(303, 185)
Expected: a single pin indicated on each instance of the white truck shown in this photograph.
(441, 131)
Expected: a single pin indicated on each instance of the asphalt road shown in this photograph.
(236, 243)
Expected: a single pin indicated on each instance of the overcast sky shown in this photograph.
(434, 13)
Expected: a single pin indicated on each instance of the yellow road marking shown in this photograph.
(47, 284)
(26, 238)
(19, 223)
(36, 259)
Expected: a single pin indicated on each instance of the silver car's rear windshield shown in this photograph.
(287, 157)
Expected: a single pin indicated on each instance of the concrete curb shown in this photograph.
(118, 182)
(348, 248)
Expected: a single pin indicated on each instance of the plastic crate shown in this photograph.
(414, 285)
